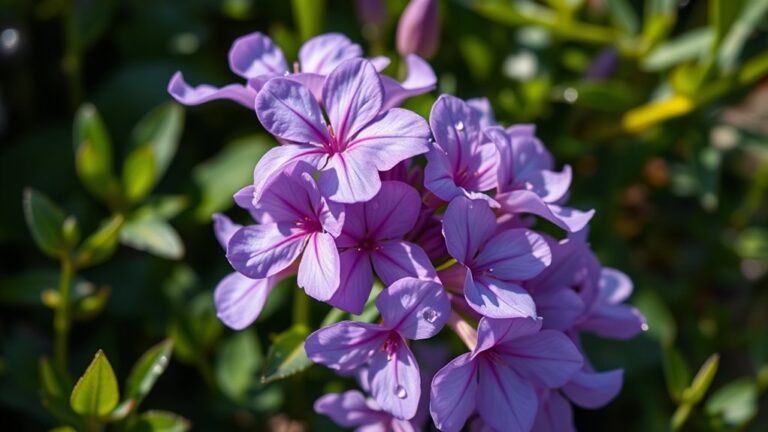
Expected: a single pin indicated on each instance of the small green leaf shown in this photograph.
(160, 421)
(735, 402)
(152, 235)
(681, 416)
(676, 372)
(733, 43)
(96, 393)
(46, 221)
(692, 45)
(661, 325)
(196, 329)
(56, 386)
(238, 364)
(163, 207)
(752, 243)
(89, 305)
(93, 154)
(147, 370)
(698, 388)
(101, 244)
(139, 173)
(160, 130)
(70, 231)
(623, 16)
(286, 356)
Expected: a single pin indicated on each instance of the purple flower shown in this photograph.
(410, 309)
(499, 378)
(373, 235)
(463, 160)
(495, 262)
(295, 218)
(526, 182)
(418, 31)
(353, 410)
(360, 140)
(608, 316)
(554, 413)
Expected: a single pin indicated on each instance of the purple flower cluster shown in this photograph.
(345, 200)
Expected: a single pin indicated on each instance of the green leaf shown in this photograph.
(163, 207)
(698, 388)
(623, 16)
(91, 304)
(147, 370)
(676, 372)
(160, 421)
(735, 403)
(238, 364)
(661, 325)
(196, 329)
(160, 130)
(692, 45)
(732, 44)
(93, 154)
(70, 231)
(55, 387)
(722, 14)
(309, 16)
(752, 243)
(46, 221)
(96, 393)
(139, 173)
(286, 356)
(152, 235)
(101, 244)
(221, 176)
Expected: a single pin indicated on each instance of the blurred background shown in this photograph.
(660, 106)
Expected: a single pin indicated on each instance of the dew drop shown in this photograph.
(430, 315)
(400, 392)
(490, 270)
(644, 327)
(286, 73)
(528, 186)
(460, 125)
(157, 369)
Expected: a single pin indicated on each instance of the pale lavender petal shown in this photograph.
(289, 111)
(259, 251)
(497, 299)
(277, 159)
(559, 309)
(417, 309)
(188, 95)
(224, 228)
(554, 185)
(593, 390)
(492, 332)
(312, 81)
(328, 213)
(349, 409)
(615, 286)
(418, 30)
(395, 380)
(255, 54)
(515, 254)
(319, 267)
(616, 322)
(355, 281)
(392, 137)
(524, 201)
(239, 300)
(548, 357)
(420, 79)
(244, 199)
(346, 179)
(467, 224)
(554, 415)
(393, 211)
(505, 400)
(289, 198)
(345, 346)
(379, 62)
(323, 53)
(483, 106)
(394, 260)
(352, 95)
(454, 390)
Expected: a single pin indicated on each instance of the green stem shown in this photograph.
(301, 309)
(62, 319)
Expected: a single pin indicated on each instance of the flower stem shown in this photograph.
(301, 309)
(463, 330)
(61, 319)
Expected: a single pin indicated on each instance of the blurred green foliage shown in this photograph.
(660, 106)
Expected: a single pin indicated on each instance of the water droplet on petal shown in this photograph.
(490, 270)
(459, 125)
(644, 327)
(286, 73)
(528, 185)
(400, 392)
(430, 315)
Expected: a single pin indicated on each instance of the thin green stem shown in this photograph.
(62, 319)
(301, 309)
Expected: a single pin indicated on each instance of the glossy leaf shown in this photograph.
(55, 388)
(45, 220)
(238, 365)
(160, 421)
(147, 370)
(661, 325)
(160, 130)
(733, 42)
(700, 384)
(691, 45)
(139, 173)
(676, 372)
(735, 403)
(623, 16)
(96, 393)
(152, 235)
(100, 245)
(93, 154)
(286, 356)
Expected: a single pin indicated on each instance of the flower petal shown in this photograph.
(525, 201)
(505, 400)
(289, 111)
(319, 267)
(224, 228)
(255, 54)
(454, 390)
(493, 332)
(559, 308)
(497, 299)
(323, 53)
(548, 357)
(188, 95)
(346, 345)
(277, 159)
(467, 224)
(394, 260)
(593, 390)
(352, 95)
(614, 321)
(239, 299)
(555, 414)
(355, 282)
(259, 251)
(393, 211)
(290, 197)
(514, 255)
(420, 79)
(483, 106)
(349, 180)
(349, 409)
(417, 309)
(395, 380)
(615, 286)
